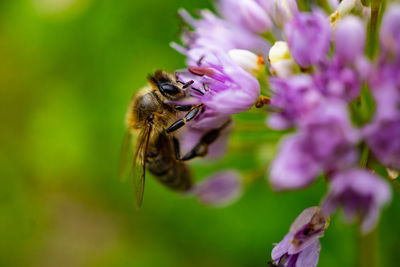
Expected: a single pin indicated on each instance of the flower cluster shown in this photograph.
(342, 107)
(224, 57)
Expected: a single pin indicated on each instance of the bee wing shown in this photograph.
(126, 155)
(139, 164)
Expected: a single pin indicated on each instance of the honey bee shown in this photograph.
(152, 120)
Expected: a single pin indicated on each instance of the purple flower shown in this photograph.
(246, 13)
(213, 33)
(325, 142)
(343, 75)
(306, 258)
(293, 167)
(383, 137)
(222, 86)
(309, 36)
(350, 39)
(333, 4)
(390, 33)
(281, 11)
(383, 133)
(329, 137)
(333, 79)
(360, 193)
(301, 247)
(293, 98)
(220, 189)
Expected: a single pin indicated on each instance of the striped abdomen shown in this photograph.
(162, 163)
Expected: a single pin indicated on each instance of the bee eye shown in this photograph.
(168, 89)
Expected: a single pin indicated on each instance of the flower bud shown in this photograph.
(284, 68)
(389, 34)
(246, 13)
(309, 37)
(282, 64)
(392, 173)
(281, 11)
(247, 60)
(254, 17)
(279, 51)
(350, 39)
(347, 7)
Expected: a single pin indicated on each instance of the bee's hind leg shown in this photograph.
(201, 148)
(177, 148)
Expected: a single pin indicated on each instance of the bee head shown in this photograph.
(167, 85)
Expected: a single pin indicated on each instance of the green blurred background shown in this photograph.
(68, 69)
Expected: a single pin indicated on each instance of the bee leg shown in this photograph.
(201, 148)
(183, 107)
(193, 112)
(177, 148)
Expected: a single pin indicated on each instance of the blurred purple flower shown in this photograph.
(293, 98)
(383, 137)
(329, 136)
(213, 33)
(360, 193)
(301, 247)
(350, 39)
(390, 33)
(383, 133)
(309, 36)
(219, 189)
(281, 11)
(246, 13)
(292, 168)
(333, 79)
(325, 142)
(343, 75)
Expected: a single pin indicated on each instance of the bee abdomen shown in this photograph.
(177, 177)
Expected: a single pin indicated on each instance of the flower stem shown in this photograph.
(364, 156)
(303, 5)
(365, 2)
(368, 251)
(376, 8)
(325, 5)
(396, 185)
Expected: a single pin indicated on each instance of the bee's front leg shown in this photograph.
(193, 112)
